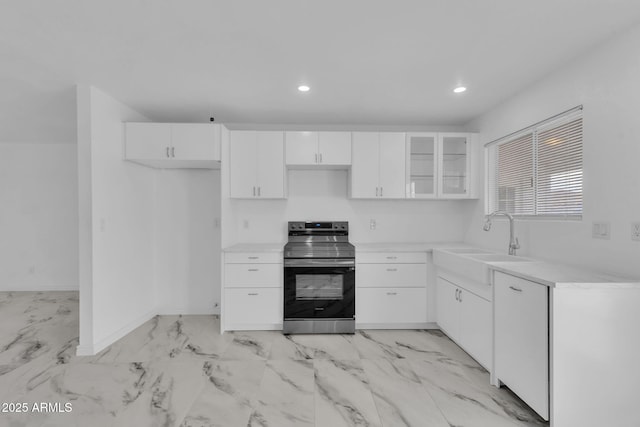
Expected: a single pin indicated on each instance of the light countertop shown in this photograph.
(405, 247)
(255, 247)
(562, 276)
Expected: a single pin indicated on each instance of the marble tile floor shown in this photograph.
(179, 371)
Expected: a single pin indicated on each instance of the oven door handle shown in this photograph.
(324, 262)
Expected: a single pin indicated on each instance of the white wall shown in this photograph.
(606, 83)
(188, 241)
(117, 290)
(322, 195)
(39, 217)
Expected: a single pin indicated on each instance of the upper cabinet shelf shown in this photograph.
(325, 149)
(438, 165)
(173, 145)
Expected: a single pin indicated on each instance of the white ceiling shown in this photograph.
(368, 62)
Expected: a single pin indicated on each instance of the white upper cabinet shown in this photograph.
(439, 165)
(378, 165)
(318, 148)
(173, 145)
(257, 164)
(422, 165)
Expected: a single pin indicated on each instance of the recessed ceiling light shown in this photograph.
(460, 89)
(303, 88)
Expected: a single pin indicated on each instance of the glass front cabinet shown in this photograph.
(438, 165)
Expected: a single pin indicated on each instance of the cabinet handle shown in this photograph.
(392, 257)
(460, 295)
(320, 157)
(392, 269)
(254, 191)
(515, 289)
(316, 157)
(253, 269)
(252, 293)
(173, 151)
(381, 191)
(457, 290)
(259, 191)
(254, 257)
(392, 293)
(376, 191)
(168, 152)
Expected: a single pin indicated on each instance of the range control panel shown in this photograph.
(309, 226)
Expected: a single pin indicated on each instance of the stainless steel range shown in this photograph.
(319, 279)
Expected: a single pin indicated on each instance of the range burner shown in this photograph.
(319, 278)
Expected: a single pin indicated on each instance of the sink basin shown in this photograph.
(471, 265)
(489, 257)
(467, 251)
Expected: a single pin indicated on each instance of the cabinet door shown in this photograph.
(195, 141)
(365, 165)
(301, 148)
(243, 164)
(392, 165)
(270, 159)
(447, 308)
(147, 141)
(334, 148)
(421, 165)
(391, 305)
(252, 308)
(522, 340)
(475, 327)
(454, 165)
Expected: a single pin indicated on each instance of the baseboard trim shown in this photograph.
(40, 288)
(175, 311)
(96, 347)
(425, 325)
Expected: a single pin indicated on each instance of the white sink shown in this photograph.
(471, 265)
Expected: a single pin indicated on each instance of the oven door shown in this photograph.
(319, 288)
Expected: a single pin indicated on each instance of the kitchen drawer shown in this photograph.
(390, 257)
(253, 275)
(253, 257)
(252, 307)
(391, 275)
(391, 305)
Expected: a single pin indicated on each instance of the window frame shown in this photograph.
(491, 165)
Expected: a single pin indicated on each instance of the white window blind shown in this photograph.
(538, 171)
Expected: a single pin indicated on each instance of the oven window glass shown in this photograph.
(319, 286)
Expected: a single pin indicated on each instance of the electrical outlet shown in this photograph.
(372, 224)
(635, 231)
(601, 230)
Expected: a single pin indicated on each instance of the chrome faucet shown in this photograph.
(513, 241)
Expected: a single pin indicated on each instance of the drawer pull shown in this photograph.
(392, 293)
(515, 289)
(254, 257)
(392, 269)
(252, 269)
(392, 257)
(252, 293)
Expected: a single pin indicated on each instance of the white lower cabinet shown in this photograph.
(391, 290)
(252, 291)
(466, 318)
(252, 308)
(522, 339)
(391, 305)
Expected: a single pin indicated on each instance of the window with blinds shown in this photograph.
(538, 171)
